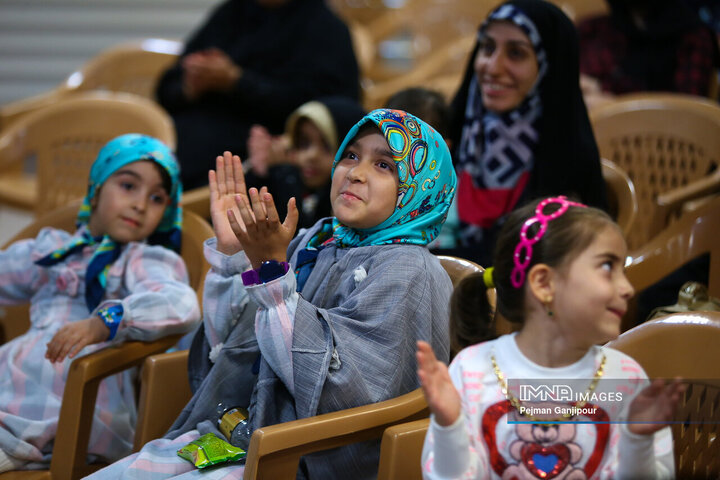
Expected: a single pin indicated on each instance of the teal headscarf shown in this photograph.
(130, 148)
(117, 153)
(426, 182)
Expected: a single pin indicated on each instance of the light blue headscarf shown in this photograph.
(130, 148)
(426, 182)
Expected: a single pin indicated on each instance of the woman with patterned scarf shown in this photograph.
(520, 123)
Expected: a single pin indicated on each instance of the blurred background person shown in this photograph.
(299, 162)
(647, 45)
(253, 62)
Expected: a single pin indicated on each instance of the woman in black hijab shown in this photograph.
(253, 62)
(520, 123)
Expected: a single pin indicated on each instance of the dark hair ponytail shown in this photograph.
(471, 315)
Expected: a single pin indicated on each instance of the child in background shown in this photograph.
(336, 327)
(427, 104)
(102, 284)
(559, 271)
(298, 163)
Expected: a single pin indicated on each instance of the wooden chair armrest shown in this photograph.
(76, 413)
(693, 234)
(672, 201)
(161, 374)
(401, 449)
(275, 451)
(699, 188)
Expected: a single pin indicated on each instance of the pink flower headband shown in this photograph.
(523, 250)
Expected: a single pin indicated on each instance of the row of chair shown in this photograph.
(660, 152)
(164, 372)
(275, 450)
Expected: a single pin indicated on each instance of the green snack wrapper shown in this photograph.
(210, 450)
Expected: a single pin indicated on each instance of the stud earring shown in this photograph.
(548, 309)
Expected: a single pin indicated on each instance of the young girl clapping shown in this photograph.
(559, 271)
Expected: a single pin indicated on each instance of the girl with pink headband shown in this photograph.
(546, 401)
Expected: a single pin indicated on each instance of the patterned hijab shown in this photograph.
(114, 155)
(426, 182)
(565, 158)
(496, 150)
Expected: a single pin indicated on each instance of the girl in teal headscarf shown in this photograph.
(113, 279)
(116, 154)
(392, 183)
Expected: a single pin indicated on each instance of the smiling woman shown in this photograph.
(519, 122)
(506, 66)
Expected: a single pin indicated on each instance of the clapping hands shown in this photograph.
(266, 150)
(258, 226)
(656, 403)
(440, 393)
(247, 221)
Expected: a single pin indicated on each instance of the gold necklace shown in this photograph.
(515, 402)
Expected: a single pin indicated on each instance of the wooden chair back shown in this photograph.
(197, 201)
(401, 451)
(63, 140)
(444, 64)
(669, 145)
(621, 195)
(579, 10)
(161, 373)
(131, 67)
(685, 345)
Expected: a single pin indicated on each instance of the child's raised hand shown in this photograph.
(226, 182)
(258, 226)
(440, 393)
(75, 336)
(655, 403)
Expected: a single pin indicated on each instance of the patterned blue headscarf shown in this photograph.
(117, 153)
(426, 182)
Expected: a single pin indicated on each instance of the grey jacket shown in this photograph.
(353, 344)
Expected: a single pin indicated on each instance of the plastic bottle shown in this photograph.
(232, 422)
